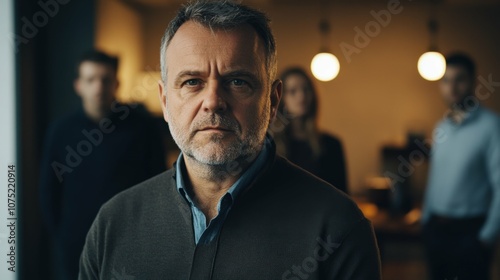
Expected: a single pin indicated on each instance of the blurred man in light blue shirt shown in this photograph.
(461, 215)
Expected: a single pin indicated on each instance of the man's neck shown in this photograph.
(458, 112)
(206, 184)
(95, 114)
(456, 115)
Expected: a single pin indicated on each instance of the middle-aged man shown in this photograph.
(462, 204)
(231, 208)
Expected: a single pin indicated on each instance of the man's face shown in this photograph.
(456, 84)
(96, 85)
(217, 98)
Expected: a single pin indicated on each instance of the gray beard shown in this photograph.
(228, 160)
(220, 172)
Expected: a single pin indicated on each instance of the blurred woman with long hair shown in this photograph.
(298, 137)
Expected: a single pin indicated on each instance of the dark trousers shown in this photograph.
(454, 251)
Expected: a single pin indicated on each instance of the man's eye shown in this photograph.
(106, 81)
(238, 82)
(192, 82)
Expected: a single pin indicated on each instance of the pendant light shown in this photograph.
(432, 64)
(324, 66)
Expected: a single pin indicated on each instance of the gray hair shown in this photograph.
(222, 15)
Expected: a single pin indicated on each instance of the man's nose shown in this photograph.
(213, 100)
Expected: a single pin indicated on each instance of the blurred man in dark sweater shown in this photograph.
(230, 208)
(91, 155)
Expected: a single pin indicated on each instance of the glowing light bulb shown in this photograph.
(325, 66)
(431, 66)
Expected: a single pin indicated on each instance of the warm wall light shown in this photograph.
(431, 66)
(325, 66)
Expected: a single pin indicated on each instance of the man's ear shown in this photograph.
(276, 91)
(163, 99)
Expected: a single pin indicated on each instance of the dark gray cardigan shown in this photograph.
(287, 224)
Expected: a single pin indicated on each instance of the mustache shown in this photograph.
(219, 120)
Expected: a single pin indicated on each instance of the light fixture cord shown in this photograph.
(433, 25)
(324, 25)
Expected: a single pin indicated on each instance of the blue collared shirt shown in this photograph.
(464, 178)
(204, 233)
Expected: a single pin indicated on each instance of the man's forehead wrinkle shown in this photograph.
(235, 61)
(244, 53)
(186, 46)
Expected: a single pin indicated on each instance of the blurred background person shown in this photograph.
(300, 140)
(462, 202)
(92, 154)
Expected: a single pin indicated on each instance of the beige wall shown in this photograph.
(119, 31)
(378, 97)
